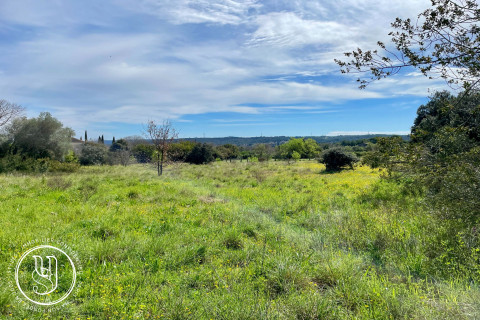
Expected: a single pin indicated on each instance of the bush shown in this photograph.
(201, 154)
(143, 153)
(15, 162)
(93, 154)
(336, 158)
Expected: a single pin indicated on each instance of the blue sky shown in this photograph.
(214, 68)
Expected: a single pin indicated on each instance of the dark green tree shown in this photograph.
(41, 137)
(201, 154)
(120, 144)
(336, 158)
(143, 153)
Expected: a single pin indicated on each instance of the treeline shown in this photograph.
(43, 144)
(278, 140)
(292, 150)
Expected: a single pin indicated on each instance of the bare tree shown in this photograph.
(160, 136)
(8, 111)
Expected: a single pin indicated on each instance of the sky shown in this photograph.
(213, 68)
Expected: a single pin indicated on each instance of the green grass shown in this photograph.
(233, 241)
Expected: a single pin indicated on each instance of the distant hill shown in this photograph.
(274, 141)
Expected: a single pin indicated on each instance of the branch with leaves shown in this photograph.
(443, 42)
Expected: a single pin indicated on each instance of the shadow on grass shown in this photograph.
(332, 171)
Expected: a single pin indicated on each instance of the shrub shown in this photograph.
(143, 153)
(201, 154)
(93, 154)
(336, 158)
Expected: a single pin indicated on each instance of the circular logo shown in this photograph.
(45, 275)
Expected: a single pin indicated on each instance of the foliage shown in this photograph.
(19, 163)
(41, 137)
(201, 154)
(262, 151)
(311, 149)
(179, 151)
(226, 152)
(390, 153)
(118, 145)
(93, 154)
(143, 153)
(446, 134)
(296, 156)
(336, 158)
(287, 149)
(443, 42)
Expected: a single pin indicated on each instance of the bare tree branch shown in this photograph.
(9, 111)
(161, 136)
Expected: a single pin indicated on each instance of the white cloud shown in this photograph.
(235, 55)
(197, 11)
(288, 29)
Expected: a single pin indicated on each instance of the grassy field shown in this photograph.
(233, 241)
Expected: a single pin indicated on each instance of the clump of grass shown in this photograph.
(58, 183)
(233, 241)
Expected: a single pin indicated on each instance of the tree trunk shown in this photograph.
(158, 164)
(161, 163)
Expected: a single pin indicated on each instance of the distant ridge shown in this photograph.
(274, 141)
(240, 141)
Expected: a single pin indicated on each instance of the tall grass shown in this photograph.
(234, 241)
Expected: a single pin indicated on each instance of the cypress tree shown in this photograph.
(113, 141)
(86, 137)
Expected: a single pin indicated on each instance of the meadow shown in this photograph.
(234, 240)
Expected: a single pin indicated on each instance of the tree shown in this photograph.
(262, 151)
(179, 151)
(93, 154)
(120, 144)
(201, 154)
(120, 152)
(310, 149)
(296, 156)
(9, 111)
(293, 145)
(336, 158)
(161, 136)
(42, 137)
(444, 41)
(227, 152)
(143, 153)
(86, 136)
